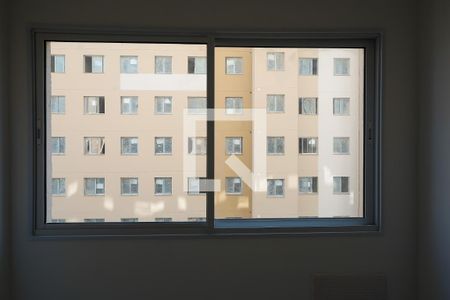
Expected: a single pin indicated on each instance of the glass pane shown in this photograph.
(288, 167)
(113, 187)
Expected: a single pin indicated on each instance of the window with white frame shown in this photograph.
(163, 145)
(165, 220)
(275, 187)
(341, 106)
(163, 185)
(94, 186)
(234, 105)
(307, 185)
(58, 105)
(163, 105)
(196, 219)
(275, 103)
(341, 145)
(129, 145)
(342, 66)
(308, 66)
(94, 105)
(197, 65)
(275, 61)
(163, 64)
(193, 185)
(58, 64)
(308, 106)
(93, 63)
(308, 145)
(129, 186)
(58, 186)
(94, 145)
(129, 220)
(233, 185)
(129, 105)
(341, 184)
(234, 65)
(197, 145)
(59, 220)
(58, 145)
(275, 145)
(128, 64)
(197, 105)
(94, 220)
(233, 145)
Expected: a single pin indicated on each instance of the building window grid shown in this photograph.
(234, 105)
(129, 145)
(58, 104)
(129, 64)
(129, 186)
(58, 145)
(197, 65)
(275, 61)
(275, 103)
(233, 185)
(275, 145)
(308, 145)
(341, 66)
(308, 106)
(94, 146)
(163, 64)
(163, 145)
(308, 66)
(163, 186)
(129, 105)
(197, 145)
(341, 106)
(341, 145)
(94, 105)
(341, 184)
(308, 185)
(58, 186)
(58, 63)
(94, 186)
(275, 187)
(163, 105)
(234, 145)
(93, 64)
(234, 65)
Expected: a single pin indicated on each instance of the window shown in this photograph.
(234, 65)
(197, 145)
(94, 105)
(129, 186)
(163, 220)
(163, 145)
(275, 103)
(308, 145)
(129, 220)
(341, 106)
(341, 185)
(233, 145)
(233, 185)
(129, 145)
(58, 145)
(307, 185)
(58, 186)
(128, 64)
(58, 104)
(94, 220)
(275, 61)
(341, 145)
(308, 106)
(308, 66)
(275, 145)
(342, 66)
(94, 186)
(197, 105)
(196, 219)
(58, 64)
(194, 185)
(58, 221)
(163, 105)
(163, 186)
(94, 145)
(129, 105)
(163, 64)
(233, 105)
(93, 64)
(275, 187)
(196, 65)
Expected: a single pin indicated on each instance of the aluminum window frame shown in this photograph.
(372, 42)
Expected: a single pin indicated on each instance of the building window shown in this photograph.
(193, 185)
(128, 64)
(275, 103)
(129, 105)
(196, 65)
(308, 145)
(233, 145)
(56, 221)
(94, 186)
(163, 145)
(234, 65)
(341, 106)
(94, 220)
(342, 66)
(197, 105)
(341, 145)
(58, 104)
(94, 145)
(129, 186)
(275, 187)
(94, 105)
(163, 64)
(275, 145)
(308, 66)
(58, 145)
(275, 61)
(165, 220)
(197, 145)
(196, 219)
(58, 64)
(163, 105)
(233, 185)
(308, 106)
(129, 220)
(163, 185)
(93, 64)
(233, 105)
(129, 145)
(341, 185)
(307, 185)
(58, 186)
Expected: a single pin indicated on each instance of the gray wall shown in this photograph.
(434, 172)
(242, 268)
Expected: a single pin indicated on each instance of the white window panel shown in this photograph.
(341, 145)
(163, 185)
(94, 105)
(275, 187)
(234, 65)
(342, 66)
(128, 64)
(308, 66)
(341, 184)
(275, 145)
(307, 185)
(58, 186)
(233, 185)
(129, 105)
(129, 186)
(275, 103)
(163, 64)
(58, 104)
(233, 145)
(163, 105)
(163, 145)
(129, 145)
(94, 145)
(94, 186)
(275, 61)
(197, 65)
(234, 105)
